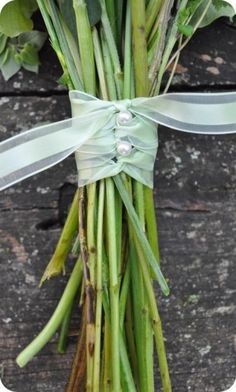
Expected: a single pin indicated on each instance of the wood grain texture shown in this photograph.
(195, 198)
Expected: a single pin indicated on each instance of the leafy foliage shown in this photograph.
(192, 13)
(19, 13)
(21, 51)
(217, 9)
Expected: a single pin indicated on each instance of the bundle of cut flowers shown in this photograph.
(123, 52)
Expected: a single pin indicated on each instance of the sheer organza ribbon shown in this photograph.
(108, 137)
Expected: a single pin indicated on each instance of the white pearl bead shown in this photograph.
(124, 117)
(124, 148)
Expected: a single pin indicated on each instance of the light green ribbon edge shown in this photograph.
(93, 133)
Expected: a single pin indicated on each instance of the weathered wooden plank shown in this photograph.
(195, 195)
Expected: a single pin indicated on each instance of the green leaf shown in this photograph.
(186, 30)
(4, 57)
(3, 3)
(35, 38)
(217, 9)
(29, 54)
(9, 67)
(15, 17)
(94, 11)
(67, 11)
(31, 68)
(3, 42)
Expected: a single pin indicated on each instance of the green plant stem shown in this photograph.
(129, 329)
(65, 49)
(151, 223)
(113, 50)
(168, 48)
(145, 333)
(61, 346)
(85, 46)
(51, 327)
(111, 12)
(114, 284)
(156, 322)
(64, 244)
(111, 85)
(128, 53)
(124, 294)
(100, 66)
(151, 14)
(98, 316)
(186, 41)
(107, 369)
(89, 288)
(139, 47)
(150, 258)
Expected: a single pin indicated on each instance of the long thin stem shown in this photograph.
(61, 347)
(128, 53)
(146, 337)
(114, 284)
(85, 45)
(112, 49)
(51, 327)
(98, 317)
(139, 47)
(150, 258)
(65, 49)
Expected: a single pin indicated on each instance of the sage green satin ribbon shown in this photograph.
(93, 133)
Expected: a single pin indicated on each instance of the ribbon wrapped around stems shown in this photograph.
(108, 137)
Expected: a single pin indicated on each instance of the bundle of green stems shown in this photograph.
(111, 225)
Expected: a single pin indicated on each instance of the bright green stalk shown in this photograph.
(111, 12)
(150, 258)
(98, 317)
(140, 47)
(128, 53)
(120, 240)
(151, 14)
(151, 223)
(67, 56)
(64, 244)
(100, 64)
(126, 374)
(111, 85)
(85, 46)
(54, 41)
(51, 327)
(73, 46)
(156, 321)
(124, 293)
(145, 333)
(113, 50)
(157, 327)
(114, 284)
(61, 347)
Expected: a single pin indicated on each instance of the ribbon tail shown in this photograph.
(40, 148)
(210, 114)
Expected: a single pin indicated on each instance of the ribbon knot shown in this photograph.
(109, 137)
(122, 105)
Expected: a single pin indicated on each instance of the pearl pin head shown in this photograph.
(124, 148)
(124, 117)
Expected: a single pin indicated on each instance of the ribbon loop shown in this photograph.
(108, 137)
